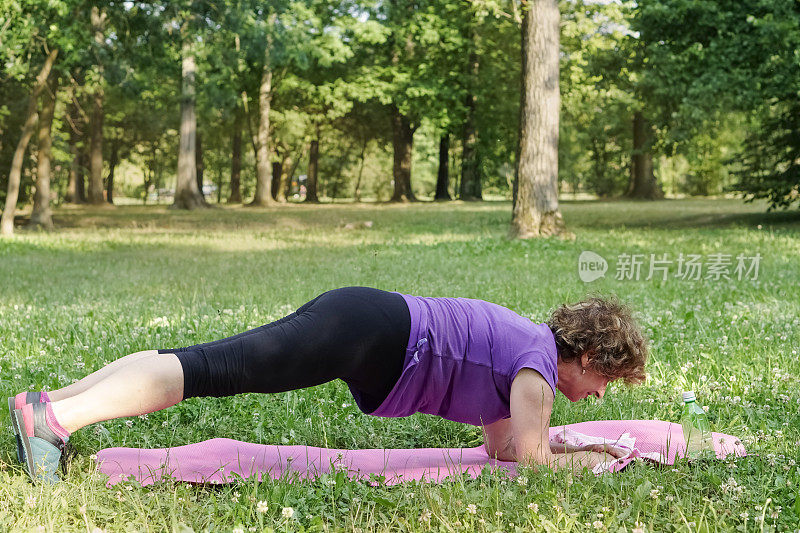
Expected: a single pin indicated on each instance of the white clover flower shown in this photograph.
(638, 528)
(30, 501)
(287, 512)
(522, 480)
(262, 507)
(744, 515)
(597, 524)
(425, 517)
(472, 508)
(654, 494)
(498, 513)
(533, 507)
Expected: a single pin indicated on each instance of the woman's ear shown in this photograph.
(586, 358)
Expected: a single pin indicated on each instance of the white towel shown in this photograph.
(624, 447)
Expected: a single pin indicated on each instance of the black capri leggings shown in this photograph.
(356, 334)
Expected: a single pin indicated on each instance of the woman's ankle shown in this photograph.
(61, 416)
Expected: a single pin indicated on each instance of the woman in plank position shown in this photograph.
(462, 359)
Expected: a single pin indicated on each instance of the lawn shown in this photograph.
(109, 282)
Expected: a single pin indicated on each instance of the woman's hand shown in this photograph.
(597, 448)
(603, 448)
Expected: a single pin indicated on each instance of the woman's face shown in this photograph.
(577, 385)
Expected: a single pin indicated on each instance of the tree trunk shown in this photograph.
(7, 219)
(198, 161)
(295, 161)
(80, 187)
(42, 215)
(219, 186)
(279, 187)
(643, 181)
(236, 160)
(112, 165)
(75, 170)
(536, 211)
(187, 196)
(443, 175)
(98, 19)
(313, 167)
(403, 144)
(150, 174)
(361, 158)
(96, 150)
(277, 171)
(263, 194)
(470, 178)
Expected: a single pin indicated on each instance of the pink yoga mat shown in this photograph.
(225, 460)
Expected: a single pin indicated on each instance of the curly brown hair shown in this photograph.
(605, 329)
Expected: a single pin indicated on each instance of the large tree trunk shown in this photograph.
(98, 20)
(263, 194)
(187, 195)
(403, 144)
(536, 211)
(41, 214)
(313, 168)
(112, 166)
(443, 175)
(75, 170)
(7, 219)
(470, 178)
(643, 181)
(236, 160)
(198, 161)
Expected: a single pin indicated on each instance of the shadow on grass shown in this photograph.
(467, 219)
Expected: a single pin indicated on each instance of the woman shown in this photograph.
(462, 359)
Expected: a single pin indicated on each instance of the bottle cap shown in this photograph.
(688, 396)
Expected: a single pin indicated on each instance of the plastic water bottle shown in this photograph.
(696, 429)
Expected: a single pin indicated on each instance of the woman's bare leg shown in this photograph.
(145, 384)
(95, 377)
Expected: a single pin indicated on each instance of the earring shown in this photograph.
(584, 371)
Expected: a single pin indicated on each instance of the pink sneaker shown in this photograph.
(17, 402)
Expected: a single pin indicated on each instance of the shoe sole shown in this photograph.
(26, 444)
(15, 427)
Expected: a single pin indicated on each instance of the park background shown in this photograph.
(200, 168)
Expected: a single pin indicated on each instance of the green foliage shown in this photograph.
(707, 56)
(716, 78)
(597, 97)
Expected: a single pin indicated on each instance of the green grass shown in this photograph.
(111, 282)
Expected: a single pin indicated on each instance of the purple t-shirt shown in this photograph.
(463, 355)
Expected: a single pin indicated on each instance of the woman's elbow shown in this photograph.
(501, 454)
